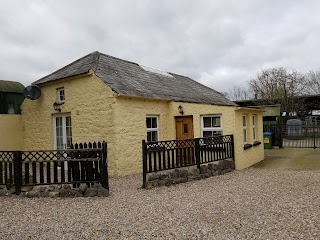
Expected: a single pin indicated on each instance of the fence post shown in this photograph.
(104, 167)
(17, 169)
(197, 151)
(280, 132)
(232, 147)
(144, 163)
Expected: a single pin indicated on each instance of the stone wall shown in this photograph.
(187, 174)
(57, 190)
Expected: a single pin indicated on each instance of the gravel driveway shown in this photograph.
(249, 204)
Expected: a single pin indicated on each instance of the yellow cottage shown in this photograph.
(102, 98)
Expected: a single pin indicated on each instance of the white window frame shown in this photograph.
(59, 91)
(254, 129)
(245, 128)
(153, 129)
(216, 129)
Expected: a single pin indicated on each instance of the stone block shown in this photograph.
(5, 192)
(97, 185)
(66, 187)
(203, 169)
(207, 175)
(102, 192)
(194, 171)
(33, 194)
(232, 164)
(51, 188)
(83, 187)
(12, 190)
(54, 194)
(180, 180)
(221, 164)
(183, 173)
(91, 192)
(26, 188)
(218, 172)
(191, 178)
(175, 173)
(23, 194)
(39, 188)
(161, 183)
(168, 182)
(44, 194)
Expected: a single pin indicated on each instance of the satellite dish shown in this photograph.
(32, 92)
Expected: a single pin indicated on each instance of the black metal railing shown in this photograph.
(301, 136)
(165, 155)
(85, 163)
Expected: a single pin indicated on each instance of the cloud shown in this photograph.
(218, 43)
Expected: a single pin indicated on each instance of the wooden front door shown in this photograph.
(184, 127)
(185, 143)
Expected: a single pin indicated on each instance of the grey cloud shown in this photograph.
(219, 43)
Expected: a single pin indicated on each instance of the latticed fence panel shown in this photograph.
(6, 167)
(86, 163)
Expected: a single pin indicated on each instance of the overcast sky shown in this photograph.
(218, 43)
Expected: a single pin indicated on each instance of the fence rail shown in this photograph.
(85, 163)
(165, 155)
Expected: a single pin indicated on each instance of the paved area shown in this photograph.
(307, 159)
(248, 204)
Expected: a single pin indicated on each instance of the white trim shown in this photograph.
(153, 129)
(245, 128)
(64, 133)
(254, 127)
(59, 95)
(220, 129)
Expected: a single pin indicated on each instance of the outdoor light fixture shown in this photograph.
(56, 106)
(180, 109)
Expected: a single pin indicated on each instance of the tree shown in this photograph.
(279, 85)
(313, 82)
(239, 93)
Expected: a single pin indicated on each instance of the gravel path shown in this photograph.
(250, 204)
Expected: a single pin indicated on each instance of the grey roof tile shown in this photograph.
(129, 78)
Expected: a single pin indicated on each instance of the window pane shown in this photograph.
(244, 121)
(254, 134)
(154, 136)
(154, 122)
(207, 133)
(149, 136)
(216, 133)
(148, 122)
(245, 135)
(185, 128)
(216, 122)
(207, 122)
(253, 120)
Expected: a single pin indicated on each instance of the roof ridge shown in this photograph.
(118, 58)
(95, 60)
(65, 67)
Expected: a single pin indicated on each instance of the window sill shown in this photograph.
(256, 143)
(247, 146)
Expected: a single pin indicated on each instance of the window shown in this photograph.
(61, 95)
(152, 128)
(254, 119)
(244, 124)
(211, 125)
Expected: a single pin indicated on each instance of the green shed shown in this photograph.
(11, 97)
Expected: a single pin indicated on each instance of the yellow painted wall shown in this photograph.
(97, 114)
(90, 103)
(11, 132)
(250, 156)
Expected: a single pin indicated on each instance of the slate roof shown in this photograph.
(11, 86)
(131, 79)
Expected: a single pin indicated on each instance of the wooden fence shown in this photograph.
(165, 155)
(85, 163)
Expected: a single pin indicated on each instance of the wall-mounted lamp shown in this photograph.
(180, 109)
(56, 106)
